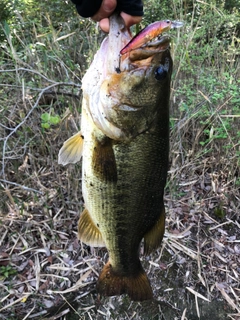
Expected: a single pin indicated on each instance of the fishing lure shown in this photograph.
(150, 32)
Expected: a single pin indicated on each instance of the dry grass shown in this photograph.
(45, 273)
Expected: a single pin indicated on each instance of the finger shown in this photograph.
(104, 25)
(106, 9)
(130, 20)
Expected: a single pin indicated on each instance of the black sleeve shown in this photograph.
(132, 7)
(87, 8)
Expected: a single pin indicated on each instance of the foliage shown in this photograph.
(5, 15)
(7, 271)
(48, 120)
(5, 12)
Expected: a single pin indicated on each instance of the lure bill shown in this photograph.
(150, 32)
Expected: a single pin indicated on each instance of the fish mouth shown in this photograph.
(149, 33)
(150, 49)
(144, 56)
(119, 36)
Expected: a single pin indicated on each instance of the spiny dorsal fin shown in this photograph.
(153, 238)
(103, 160)
(112, 283)
(88, 232)
(71, 151)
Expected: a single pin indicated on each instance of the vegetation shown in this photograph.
(44, 271)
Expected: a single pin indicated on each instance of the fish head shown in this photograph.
(127, 94)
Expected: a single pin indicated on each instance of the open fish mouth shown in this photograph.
(145, 53)
(148, 42)
(149, 33)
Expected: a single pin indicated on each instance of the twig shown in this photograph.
(28, 314)
(28, 70)
(181, 247)
(227, 298)
(184, 314)
(76, 286)
(25, 296)
(197, 294)
(27, 116)
(57, 316)
(21, 186)
(69, 304)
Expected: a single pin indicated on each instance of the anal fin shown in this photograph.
(153, 238)
(88, 232)
(103, 160)
(71, 151)
(137, 286)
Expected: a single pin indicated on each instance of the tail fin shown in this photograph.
(137, 286)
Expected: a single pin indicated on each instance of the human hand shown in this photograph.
(100, 10)
(106, 9)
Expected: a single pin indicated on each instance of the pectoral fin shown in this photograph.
(88, 232)
(103, 160)
(71, 151)
(153, 238)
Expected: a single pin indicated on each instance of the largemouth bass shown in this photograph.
(124, 144)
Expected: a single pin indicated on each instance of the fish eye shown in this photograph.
(160, 73)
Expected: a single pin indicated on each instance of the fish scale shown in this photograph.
(132, 205)
(124, 144)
